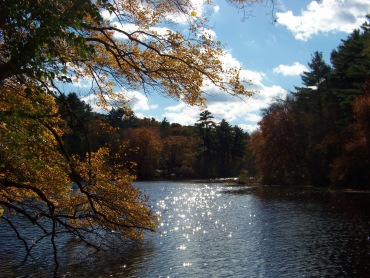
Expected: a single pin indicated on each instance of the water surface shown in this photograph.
(221, 230)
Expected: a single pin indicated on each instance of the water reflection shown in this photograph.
(221, 230)
(325, 230)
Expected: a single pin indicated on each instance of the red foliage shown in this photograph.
(353, 166)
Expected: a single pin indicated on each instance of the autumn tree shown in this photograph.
(146, 147)
(257, 145)
(281, 153)
(42, 183)
(116, 46)
(179, 156)
(351, 168)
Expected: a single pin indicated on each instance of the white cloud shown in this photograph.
(293, 70)
(232, 109)
(136, 100)
(216, 8)
(193, 6)
(253, 118)
(139, 101)
(82, 83)
(248, 128)
(182, 16)
(229, 61)
(130, 28)
(209, 32)
(107, 15)
(182, 114)
(325, 17)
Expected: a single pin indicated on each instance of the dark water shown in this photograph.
(218, 230)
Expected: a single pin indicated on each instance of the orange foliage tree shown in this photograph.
(41, 182)
(146, 146)
(278, 152)
(179, 155)
(353, 165)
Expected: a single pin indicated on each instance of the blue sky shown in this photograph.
(273, 55)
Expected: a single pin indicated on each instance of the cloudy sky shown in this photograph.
(272, 54)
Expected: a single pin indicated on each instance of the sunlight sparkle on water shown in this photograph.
(187, 264)
(182, 247)
(196, 229)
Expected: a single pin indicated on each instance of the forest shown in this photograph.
(320, 134)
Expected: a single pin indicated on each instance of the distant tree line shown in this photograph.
(320, 134)
(157, 150)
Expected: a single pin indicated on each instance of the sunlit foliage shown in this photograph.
(41, 182)
(146, 148)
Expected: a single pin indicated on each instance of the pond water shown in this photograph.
(221, 230)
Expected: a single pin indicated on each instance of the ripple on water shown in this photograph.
(217, 230)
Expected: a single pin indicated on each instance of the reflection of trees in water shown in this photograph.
(326, 228)
(7, 262)
(126, 259)
(339, 200)
(124, 256)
